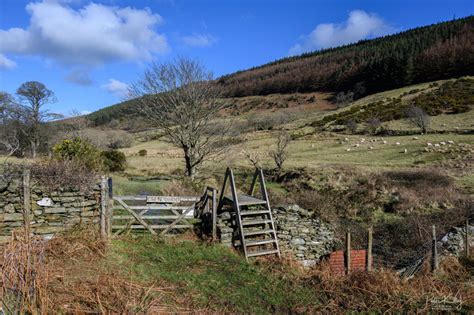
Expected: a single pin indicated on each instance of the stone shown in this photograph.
(45, 202)
(3, 184)
(12, 217)
(55, 210)
(9, 208)
(297, 241)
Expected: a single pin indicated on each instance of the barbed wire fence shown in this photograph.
(381, 254)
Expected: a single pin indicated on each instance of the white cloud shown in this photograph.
(116, 87)
(92, 35)
(85, 112)
(79, 77)
(359, 25)
(6, 63)
(199, 40)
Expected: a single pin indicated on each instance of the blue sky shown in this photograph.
(87, 52)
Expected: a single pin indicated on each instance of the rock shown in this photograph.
(45, 202)
(3, 184)
(55, 210)
(297, 241)
(9, 208)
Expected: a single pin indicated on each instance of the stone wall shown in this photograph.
(299, 233)
(51, 212)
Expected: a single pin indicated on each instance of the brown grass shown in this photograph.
(70, 274)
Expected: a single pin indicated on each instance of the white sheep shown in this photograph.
(450, 141)
(384, 142)
(346, 139)
(356, 145)
(397, 143)
(442, 143)
(436, 144)
(405, 151)
(348, 149)
(371, 148)
(429, 144)
(415, 138)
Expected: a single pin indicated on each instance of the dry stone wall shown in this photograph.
(51, 212)
(299, 233)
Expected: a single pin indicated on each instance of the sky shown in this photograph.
(88, 52)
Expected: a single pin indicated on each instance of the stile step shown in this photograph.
(254, 212)
(259, 242)
(263, 252)
(255, 222)
(259, 232)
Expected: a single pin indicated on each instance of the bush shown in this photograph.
(142, 152)
(79, 151)
(114, 161)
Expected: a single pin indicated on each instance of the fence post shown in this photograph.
(434, 251)
(26, 199)
(103, 206)
(214, 215)
(368, 262)
(110, 206)
(467, 238)
(348, 253)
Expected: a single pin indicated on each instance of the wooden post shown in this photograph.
(26, 199)
(368, 262)
(348, 253)
(110, 206)
(434, 251)
(103, 206)
(214, 215)
(466, 241)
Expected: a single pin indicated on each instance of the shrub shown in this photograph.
(57, 175)
(142, 152)
(114, 161)
(79, 151)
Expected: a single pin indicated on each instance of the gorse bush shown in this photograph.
(83, 153)
(80, 151)
(114, 161)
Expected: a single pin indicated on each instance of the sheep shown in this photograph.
(442, 143)
(348, 149)
(346, 139)
(429, 144)
(436, 144)
(397, 143)
(450, 141)
(415, 138)
(384, 142)
(371, 148)
(405, 151)
(356, 145)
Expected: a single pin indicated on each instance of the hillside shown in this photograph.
(424, 54)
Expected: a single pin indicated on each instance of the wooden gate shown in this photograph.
(153, 213)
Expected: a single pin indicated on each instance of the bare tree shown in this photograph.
(344, 99)
(418, 118)
(373, 124)
(9, 138)
(33, 96)
(253, 157)
(351, 125)
(280, 153)
(181, 99)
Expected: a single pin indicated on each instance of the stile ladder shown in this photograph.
(253, 216)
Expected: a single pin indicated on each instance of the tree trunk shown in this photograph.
(33, 149)
(190, 172)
